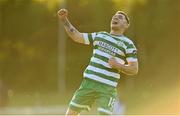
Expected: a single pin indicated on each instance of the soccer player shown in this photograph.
(113, 53)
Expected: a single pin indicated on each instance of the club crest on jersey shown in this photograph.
(121, 44)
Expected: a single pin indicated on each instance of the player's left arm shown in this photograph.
(131, 67)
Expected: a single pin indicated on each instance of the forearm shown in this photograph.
(129, 70)
(72, 31)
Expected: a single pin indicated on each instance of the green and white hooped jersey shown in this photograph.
(106, 46)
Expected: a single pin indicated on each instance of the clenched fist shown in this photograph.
(62, 13)
(112, 62)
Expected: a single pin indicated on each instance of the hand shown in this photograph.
(62, 13)
(113, 62)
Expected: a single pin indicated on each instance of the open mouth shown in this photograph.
(115, 22)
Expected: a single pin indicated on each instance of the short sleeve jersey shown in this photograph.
(106, 46)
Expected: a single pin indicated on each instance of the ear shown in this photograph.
(127, 25)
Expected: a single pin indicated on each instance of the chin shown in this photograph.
(115, 27)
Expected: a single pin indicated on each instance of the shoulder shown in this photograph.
(127, 40)
(102, 32)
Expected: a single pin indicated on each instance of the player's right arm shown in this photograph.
(70, 29)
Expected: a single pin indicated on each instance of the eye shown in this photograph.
(120, 16)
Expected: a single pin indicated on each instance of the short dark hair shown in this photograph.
(126, 16)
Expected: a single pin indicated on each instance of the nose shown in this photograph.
(115, 17)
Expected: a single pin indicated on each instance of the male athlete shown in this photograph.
(113, 53)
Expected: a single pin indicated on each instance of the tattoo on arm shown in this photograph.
(72, 30)
(67, 24)
(69, 27)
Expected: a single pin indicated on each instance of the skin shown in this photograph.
(118, 26)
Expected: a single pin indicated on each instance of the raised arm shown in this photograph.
(70, 29)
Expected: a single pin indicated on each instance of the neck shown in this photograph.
(117, 33)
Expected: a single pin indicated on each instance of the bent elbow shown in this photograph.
(134, 71)
(77, 38)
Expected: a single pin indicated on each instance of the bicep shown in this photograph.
(80, 38)
(132, 61)
(131, 56)
(86, 38)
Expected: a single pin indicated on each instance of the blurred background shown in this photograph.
(40, 67)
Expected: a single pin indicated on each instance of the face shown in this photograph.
(119, 21)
